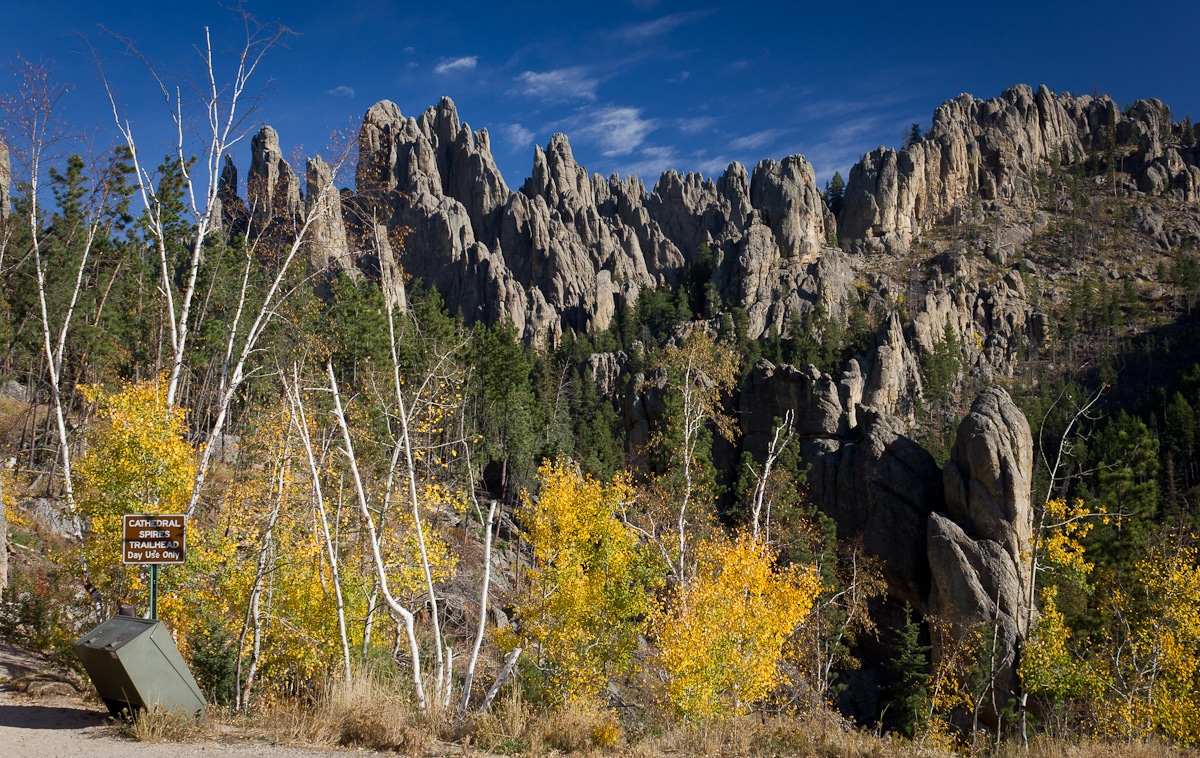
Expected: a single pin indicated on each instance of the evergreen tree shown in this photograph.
(906, 697)
(835, 191)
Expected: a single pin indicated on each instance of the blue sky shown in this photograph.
(639, 85)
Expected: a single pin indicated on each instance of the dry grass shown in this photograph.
(163, 725)
(375, 713)
(514, 728)
(1043, 746)
(369, 712)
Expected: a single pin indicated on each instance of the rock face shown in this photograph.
(955, 542)
(873, 482)
(326, 247)
(979, 551)
(5, 183)
(787, 195)
(992, 150)
(272, 188)
(567, 250)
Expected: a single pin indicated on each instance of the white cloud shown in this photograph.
(637, 33)
(714, 166)
(650, 163)
(695, 125)
(618, 130)
(518, 136)
(756, 140)
(560, 84)
(450, 65)
(341, 91)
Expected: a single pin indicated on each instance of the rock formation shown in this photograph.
(980, 551)
(992, 150)
(272, 188)
(568, 249)
(956, 542)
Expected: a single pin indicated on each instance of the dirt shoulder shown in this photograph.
(44, 714)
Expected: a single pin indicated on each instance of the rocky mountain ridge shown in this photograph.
(567, 250)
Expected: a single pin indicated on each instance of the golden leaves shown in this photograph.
(721, 635)
(588, 594)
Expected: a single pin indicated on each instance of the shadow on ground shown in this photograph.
(49, 717)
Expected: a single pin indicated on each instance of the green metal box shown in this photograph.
(134, 664)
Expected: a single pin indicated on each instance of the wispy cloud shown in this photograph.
(451, 65)
(617, 129)
(757, 139)
(518, 136)
(560, 84)
(712, 166)
(649, 163)
(639, 33)
(697, 125)
(341, 91)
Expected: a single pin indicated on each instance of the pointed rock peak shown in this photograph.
(318, 172)
(735, 182)
(735, 172)
(229, 177)
(267, 140)
(446, 109)
(383, 113)
(440, 124)
(560, 147)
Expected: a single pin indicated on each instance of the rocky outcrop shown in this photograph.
(326, 245)
(979, 551)
(991, 317)
(5, 183)
(569, 250)
(272, 188)
(566, 251)
(876, 484)
(953, 542)
(981, 151)
(787, 196)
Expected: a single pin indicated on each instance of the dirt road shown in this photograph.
(49, 719)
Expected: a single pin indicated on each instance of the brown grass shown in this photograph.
(163, 725)
(376, 713)
(369, 712)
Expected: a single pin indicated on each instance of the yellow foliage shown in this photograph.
(1048, 666)
(721, 635)
(588, 592)
(1153, 686)
(1063, 545)
(136, 462)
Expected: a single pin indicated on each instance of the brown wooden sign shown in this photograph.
(155, 539)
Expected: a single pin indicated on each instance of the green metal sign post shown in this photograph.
(153, 591)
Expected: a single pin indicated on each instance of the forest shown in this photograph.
(466, 530)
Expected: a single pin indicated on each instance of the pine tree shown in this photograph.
(906, 697)
(835, 191)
